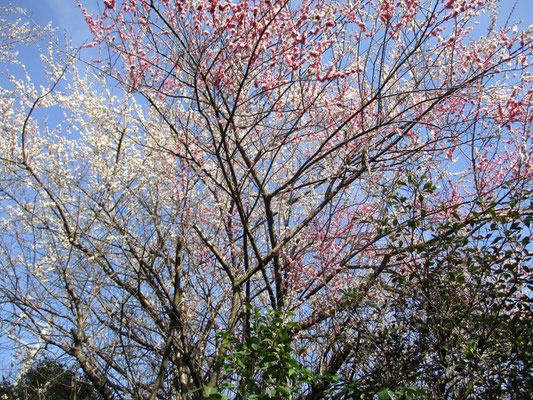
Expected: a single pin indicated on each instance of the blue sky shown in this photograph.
(64, 14)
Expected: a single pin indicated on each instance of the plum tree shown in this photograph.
(361, 168)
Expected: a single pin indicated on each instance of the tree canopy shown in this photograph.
(47, 379)
(248, 199)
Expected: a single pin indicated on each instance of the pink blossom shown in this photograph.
(387, 11)
(449, 4)
(110, 4)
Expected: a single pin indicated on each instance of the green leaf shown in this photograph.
(386, 394)
(285, 389)
(212, 394)
(414, 390)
